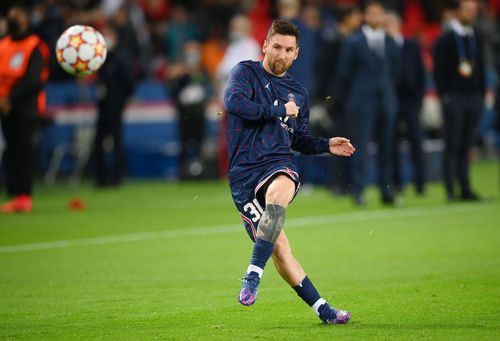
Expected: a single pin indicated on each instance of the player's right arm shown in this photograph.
(239, 93)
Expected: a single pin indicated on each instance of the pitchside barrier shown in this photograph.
(150, 132)
(151, 141)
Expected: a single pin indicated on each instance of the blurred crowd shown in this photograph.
(193, 45)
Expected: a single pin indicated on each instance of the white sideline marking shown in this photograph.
(234, 228)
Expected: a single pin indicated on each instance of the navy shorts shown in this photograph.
(249, 194)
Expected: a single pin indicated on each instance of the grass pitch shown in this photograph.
(154, 260)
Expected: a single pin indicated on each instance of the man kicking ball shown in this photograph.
(268, 118)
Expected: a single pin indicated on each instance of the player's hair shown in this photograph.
(283, 27)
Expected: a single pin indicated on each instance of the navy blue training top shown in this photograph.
(259, 133)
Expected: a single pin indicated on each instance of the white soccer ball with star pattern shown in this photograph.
(81, 50)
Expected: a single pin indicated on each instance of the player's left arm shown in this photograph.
(305, 143)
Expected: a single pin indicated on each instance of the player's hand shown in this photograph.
(341, 146)
(292, 109)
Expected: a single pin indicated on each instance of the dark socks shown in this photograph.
(307, 291)
(262, 251)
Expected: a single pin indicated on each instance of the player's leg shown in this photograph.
(286, 264)
(293, 273)
(279, 194)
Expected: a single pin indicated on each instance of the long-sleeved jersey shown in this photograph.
(260, 134)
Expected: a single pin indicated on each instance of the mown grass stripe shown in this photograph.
(233, 228)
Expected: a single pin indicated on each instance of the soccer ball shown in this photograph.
(81, 50)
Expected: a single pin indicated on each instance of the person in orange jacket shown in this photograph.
(23, 71)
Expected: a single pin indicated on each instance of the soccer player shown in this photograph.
(268, 118)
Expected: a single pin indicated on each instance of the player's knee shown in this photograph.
(277, 198)
(281, 191)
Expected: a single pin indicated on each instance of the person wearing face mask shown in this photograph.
(23, 71)
(242, 46)
(189, 84)
(114, 87)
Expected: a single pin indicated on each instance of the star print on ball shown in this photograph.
(81, 50)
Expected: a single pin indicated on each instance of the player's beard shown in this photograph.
(279, 66)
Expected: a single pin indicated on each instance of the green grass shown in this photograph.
(429, 270)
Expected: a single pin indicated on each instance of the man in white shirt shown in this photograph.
(242, 46)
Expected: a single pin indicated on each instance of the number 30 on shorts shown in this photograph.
(254, 209)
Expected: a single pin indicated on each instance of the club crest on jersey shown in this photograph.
(291, 97)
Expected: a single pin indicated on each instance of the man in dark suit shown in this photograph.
(328, 85)
(115, 86)
(410, 90)
(460, 78)
(368, 67)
